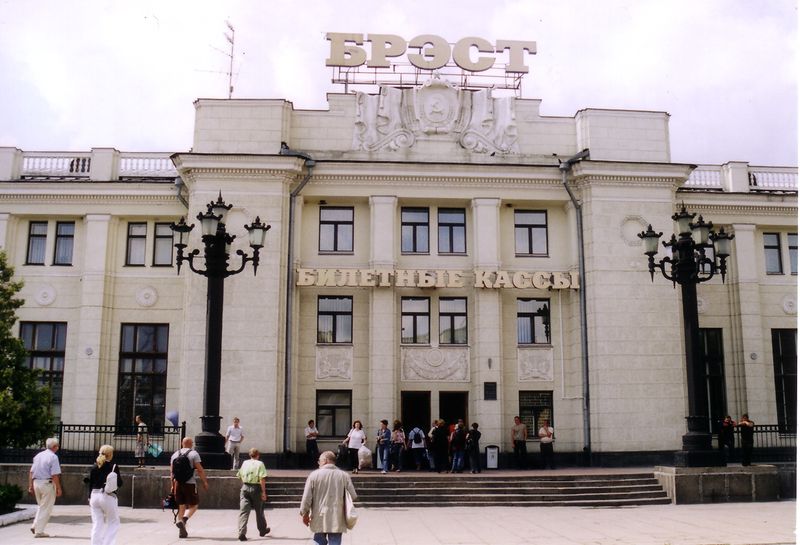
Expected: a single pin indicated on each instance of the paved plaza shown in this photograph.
(708, 524)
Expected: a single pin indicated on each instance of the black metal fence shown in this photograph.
(79, 444)
(771, 443)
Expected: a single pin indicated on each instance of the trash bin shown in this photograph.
(492, 454)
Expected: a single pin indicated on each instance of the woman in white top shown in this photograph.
(354, 440)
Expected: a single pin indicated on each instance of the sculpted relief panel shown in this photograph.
(395, 118)
(334, 362)
(535, 364)
(432, 363)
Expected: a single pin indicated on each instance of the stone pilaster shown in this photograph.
(754, 394)
(383, 341)
(87, 386)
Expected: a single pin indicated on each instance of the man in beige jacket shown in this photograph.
(322, 507)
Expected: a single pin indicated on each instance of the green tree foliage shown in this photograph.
(24, 405)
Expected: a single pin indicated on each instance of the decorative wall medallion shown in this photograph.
(432, 363)
(535, 364)
(45, 295)
(702, 305)
(630, 227)
(147, 296)
(334, 363)
(395, 118)
(790, 304)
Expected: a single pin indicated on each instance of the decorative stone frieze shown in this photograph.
(334, 363)
(789, 305)
(535, 363)
(396, 118)
(630, 227)
(45, 295)
(146, 296)
(450, 364)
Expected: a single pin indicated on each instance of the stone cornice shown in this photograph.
(90, 197)
(742, 209)
(427, 181)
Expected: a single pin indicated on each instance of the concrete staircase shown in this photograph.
(430, 490)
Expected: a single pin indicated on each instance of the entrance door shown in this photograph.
(415, 410)
(452, 406)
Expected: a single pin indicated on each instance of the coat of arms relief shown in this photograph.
(396, 118)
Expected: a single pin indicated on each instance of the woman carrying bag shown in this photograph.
(104, 480)
(354, 440)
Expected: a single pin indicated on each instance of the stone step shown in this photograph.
(407, 490)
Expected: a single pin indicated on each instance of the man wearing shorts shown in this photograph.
(186, 492)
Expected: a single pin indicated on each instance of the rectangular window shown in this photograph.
(162, 247)
(533, 321)
(335, 229)
(530, 232)
(46, 344)
(65, 237)
(416, 318)
(137, 240)
(414, 230)
(142, 387)
(772, 253)
(452, 320)
(713, 356)
(452, 231)
(334, 410)
(534, 408)
(335, 320)
(784, 359)
(37, 240)
(490, 391)
(792, 252)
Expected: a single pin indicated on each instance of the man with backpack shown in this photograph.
(416, 442)
(185, 464)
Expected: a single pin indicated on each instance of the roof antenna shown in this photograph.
(230, 38)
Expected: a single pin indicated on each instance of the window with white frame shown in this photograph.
(533, 321)
(334, 319)
(530, 232)
(336, 229)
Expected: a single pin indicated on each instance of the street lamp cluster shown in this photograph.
(688, 265)
(217, 250)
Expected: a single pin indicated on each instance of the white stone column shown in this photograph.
(383, 336)
(754, 394)
(88, 384)
(3, 229)
(486, 233)
(486, 317)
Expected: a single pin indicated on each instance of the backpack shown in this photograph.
(417, 437)
(182, 469)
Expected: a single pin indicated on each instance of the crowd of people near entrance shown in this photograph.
(442, 448)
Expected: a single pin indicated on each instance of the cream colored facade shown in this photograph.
(379, 155)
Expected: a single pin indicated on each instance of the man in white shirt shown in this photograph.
(546, 438)
(234, 437)
(45, 483)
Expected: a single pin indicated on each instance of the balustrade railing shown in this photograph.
(771, 180)
(56, 165)
(705, 177)
(146, 165)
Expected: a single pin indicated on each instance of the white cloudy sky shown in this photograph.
(93, 73)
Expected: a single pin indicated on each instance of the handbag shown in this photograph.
(154, 450)
(350, 512)
(111, 482)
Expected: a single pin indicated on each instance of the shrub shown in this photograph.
(10, 494)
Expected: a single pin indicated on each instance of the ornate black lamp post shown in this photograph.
(688, 266)
(217, 246)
